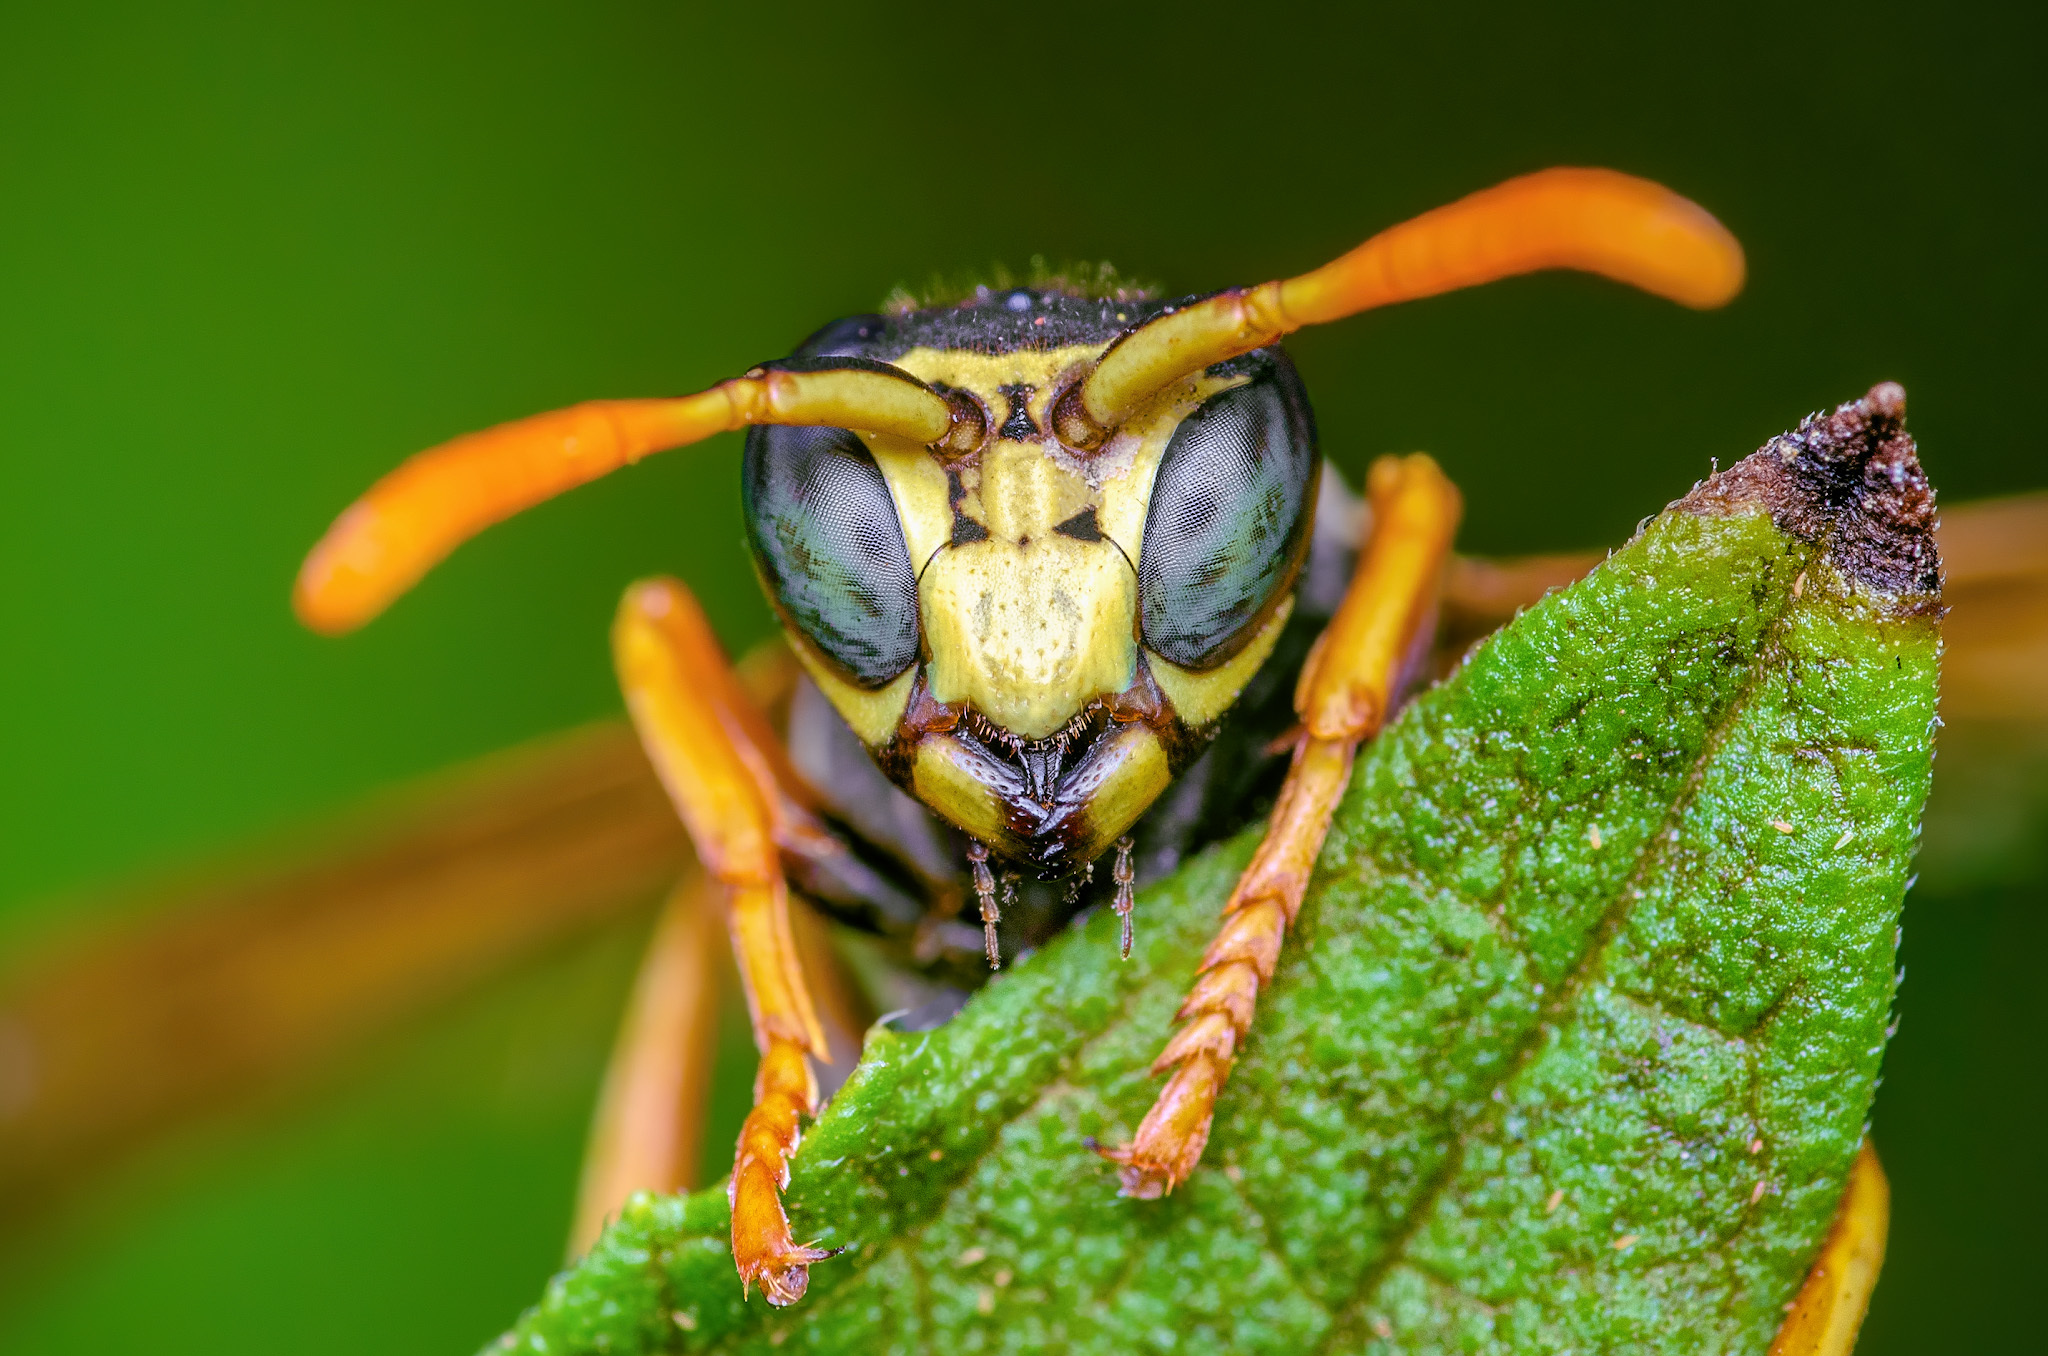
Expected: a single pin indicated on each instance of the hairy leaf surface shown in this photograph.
(1571, 1048)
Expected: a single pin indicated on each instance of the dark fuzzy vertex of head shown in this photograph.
(990, 322)
(1080, 280)
(1850, 479)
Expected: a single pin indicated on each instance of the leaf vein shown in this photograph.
(1566, 995)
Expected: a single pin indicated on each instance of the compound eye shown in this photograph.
(825, 533)
(1228, 521)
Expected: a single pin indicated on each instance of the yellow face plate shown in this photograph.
(1031, 631)
(1026, 625)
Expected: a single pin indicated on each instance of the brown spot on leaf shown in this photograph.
(1851, 480)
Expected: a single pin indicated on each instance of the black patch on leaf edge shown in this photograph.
(1852, 476)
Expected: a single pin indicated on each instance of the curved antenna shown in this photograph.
(412, 518)
(1594, 220)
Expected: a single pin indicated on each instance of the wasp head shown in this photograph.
(1033, 638)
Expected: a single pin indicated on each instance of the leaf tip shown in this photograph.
(1852, 478)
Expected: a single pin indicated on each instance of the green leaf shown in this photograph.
(1571, 1048)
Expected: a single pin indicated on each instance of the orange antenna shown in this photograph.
(412, 518)
(1595, 220)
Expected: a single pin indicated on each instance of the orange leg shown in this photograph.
(1343, 696)
(714, 755)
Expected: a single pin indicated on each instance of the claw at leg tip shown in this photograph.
(1139, 1181)
(785, 1287)
(1142, 1184)
(784, 1284)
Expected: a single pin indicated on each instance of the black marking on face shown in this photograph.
(824, 531)
(1228, 523)
(1019, 425)
(965, 528)
(1083, 526)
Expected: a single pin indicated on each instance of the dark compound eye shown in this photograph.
(824, 530)
(1228, 521)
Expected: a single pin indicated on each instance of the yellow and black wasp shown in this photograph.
(1035, 548)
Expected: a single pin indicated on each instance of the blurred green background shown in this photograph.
(250, 256)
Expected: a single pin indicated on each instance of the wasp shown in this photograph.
(1065, 574)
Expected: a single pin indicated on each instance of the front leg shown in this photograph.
(719, 763)
(1343, 696)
